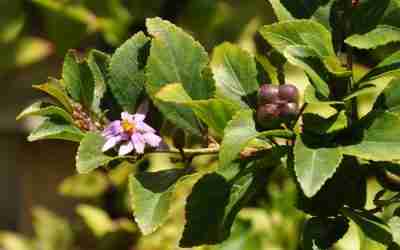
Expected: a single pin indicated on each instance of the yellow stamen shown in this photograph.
(128, 127)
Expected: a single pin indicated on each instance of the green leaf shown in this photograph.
(394, 224)
(382, 134)
(269, 69)
(381, 35)
(242, 237)
(367, 15)
(175, 57)
(314, 123)
(303, 8)
(389, 99)
(99, 64)
(78, 79)
(323, 232)
(127, 76)
(362, 90)
(96, 219)
(39, 109)
(56, 90)
(280, 11)
(90, 155)
(304, 58)
(311, 96)
(53, 129)
(388, 67)
(239, 132)
(216, 113)
(372, 227)
(84, 185)
(302, 33)
(314, 166)
(52, 231)
(210, 222)
(13, 241)
(150, 194)
(235, 73)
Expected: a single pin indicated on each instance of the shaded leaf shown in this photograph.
(127, 76)
(56, 90)
(303, 8)
(313, 123)
(372, 227)
(96, 219)
(280, 11)
(323, 232)
(84, 185)
(367, 15)
(388, 67)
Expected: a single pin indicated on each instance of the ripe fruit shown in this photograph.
(289, 93)
(268, 94)
(267, 114)
(289, 110)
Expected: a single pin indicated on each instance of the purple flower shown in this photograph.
(131, 133)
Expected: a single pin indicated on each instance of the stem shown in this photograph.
(188, 152)
(301, 111)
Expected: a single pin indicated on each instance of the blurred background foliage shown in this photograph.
(34, 37)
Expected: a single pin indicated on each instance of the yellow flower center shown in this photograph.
(128, 127)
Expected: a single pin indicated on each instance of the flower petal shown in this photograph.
(114, 128)
(111, 142)
(143, 127)
(127, 116)
(139, 142)
(139, 117)
(152, 139)
(125, 148)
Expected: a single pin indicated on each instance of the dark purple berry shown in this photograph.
(289, 93)
(268, 94)
(267, 114)
(289, 110)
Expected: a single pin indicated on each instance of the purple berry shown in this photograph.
(289, 93)
(268, 94)
(267, 113)
(289, 110)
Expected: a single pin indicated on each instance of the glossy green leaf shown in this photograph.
(127, 76)
(39, 109)
(394, 224)
(323, 232)
(390, 97)
(299, 33)
(388, 67)
(304, 57)
(175, 57)
(314, 166)
(381, 35)
(56, 90)
(53, 129)
(90, 155)
(84, 185)
(373, 227)
(150, 196)
(235, 73)
(216, 112)
(381, 135)
(99, 65)
(362, 90)
(78, 79)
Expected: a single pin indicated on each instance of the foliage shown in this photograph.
(214, 98)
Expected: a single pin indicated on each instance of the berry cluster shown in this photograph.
(277, 104)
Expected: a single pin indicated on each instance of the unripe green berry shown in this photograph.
(268, 94)
(289, 93)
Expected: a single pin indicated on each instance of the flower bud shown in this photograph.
(268, 115)
(289, 93)
(268, 93)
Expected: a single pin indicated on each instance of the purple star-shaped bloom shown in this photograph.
(131, 133)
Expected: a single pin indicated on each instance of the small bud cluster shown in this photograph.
(277, 104)
(83, 120)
